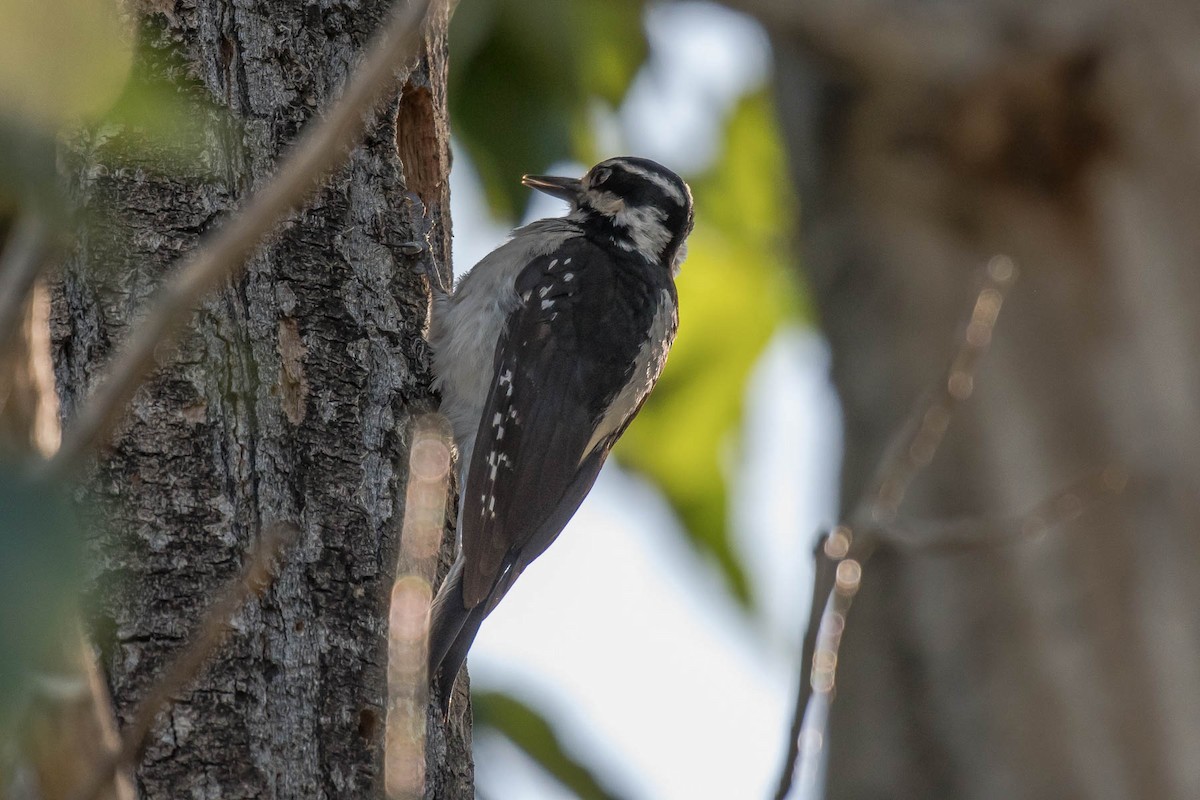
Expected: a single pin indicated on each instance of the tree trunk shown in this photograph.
(288, 399)
(926, 139)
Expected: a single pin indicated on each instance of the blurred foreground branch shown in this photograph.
(69, 726)
(412, 593)
(65, 720)
(20, 262)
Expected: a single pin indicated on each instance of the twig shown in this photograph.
(841, 554)
(917, 441)
(20, 263)
(823, 578)
(324, 146)
(972, 534)
(256, 576)
(835, 581)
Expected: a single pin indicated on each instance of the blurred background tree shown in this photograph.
(925, 140)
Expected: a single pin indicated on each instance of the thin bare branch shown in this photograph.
(324, 146)
(823, 578)
(918, 439)
(840, 569)
(20, 263)
(836, 581)
(257, 574)
(973, 534)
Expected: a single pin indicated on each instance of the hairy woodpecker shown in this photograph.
(543, 354)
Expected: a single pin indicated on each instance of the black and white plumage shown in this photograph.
(543, 354)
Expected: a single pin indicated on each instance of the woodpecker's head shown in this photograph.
(639, 204)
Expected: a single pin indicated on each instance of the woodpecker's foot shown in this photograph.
(420, 248)
(427, 267)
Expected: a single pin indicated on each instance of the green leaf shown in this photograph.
(60, 65)
(165, 120)
(40, 579)
(734, 291)
(61, 62)
(526, 76)
(534, 735)
(134, 99)
(28, 170)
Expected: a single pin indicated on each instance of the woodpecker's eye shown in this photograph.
(600, 176)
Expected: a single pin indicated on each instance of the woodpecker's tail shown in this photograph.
(452, 629)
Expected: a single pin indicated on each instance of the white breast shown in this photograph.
(467, 324)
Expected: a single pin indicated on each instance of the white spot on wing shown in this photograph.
(547, 304)
(466, 324)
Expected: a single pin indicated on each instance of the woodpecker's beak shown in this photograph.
(569, 189)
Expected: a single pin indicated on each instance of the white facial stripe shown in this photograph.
(645, 227)
(605, 202)
(658, 180)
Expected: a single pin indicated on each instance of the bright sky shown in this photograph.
(620, 634)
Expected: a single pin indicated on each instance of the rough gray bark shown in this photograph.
(926, 139)
(287, 399)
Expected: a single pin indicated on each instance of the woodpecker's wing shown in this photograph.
(570, 371)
